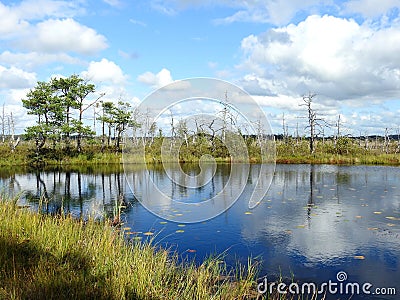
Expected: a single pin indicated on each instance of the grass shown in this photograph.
(289, 152)
(43, 257)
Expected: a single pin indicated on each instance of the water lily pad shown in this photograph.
(360, 257)
(181, 225)
(377, 212)
(163, 222)
(180, 231)
(248, 213)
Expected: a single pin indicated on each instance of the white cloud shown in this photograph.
(31, 60)
(335, 57)
(10, 21)
(370, 8)
(275, 12)
(158, 80)
(115, 3)
(163, 7)
(105, 72)
(15, 18)
(64, 35)
(14, 78)
(137, 22)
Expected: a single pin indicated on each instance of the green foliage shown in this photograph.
(119, 118)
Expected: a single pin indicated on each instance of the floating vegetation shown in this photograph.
(148, 233)
(393, 218)
(180, 231)
(248, 213)
(391, 224)
(377, 212)
(163, 222)
(358, 217)
(373, 228)
(178, 215)
(181, 225)
(360, 257)
(301, 226)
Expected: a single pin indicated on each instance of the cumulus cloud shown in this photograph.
(336, 57)
(15, 19)
(105, 72)
(14, 78)
(63, 35)
(158, 80)
(31, 60)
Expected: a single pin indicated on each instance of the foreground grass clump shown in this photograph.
(43, 257)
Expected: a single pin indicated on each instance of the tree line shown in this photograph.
(59, 106)
(62, 105)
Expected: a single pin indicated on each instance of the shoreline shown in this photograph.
(59, 256)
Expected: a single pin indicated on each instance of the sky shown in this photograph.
(347, 52)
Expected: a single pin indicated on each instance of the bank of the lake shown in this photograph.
(44, 257)
(92, 156)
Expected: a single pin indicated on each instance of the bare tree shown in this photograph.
(366, 140)
(285, 129)
(398, 139)
(386, 144)
(13, 143)
(338, 127)
(3, 125)
(313, 121)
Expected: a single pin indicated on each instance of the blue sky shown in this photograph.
(348, 52)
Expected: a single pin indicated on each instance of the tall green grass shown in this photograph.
(43, 257)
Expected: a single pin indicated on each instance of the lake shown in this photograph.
(316, 221)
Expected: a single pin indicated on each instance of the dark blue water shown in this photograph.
(315, 221)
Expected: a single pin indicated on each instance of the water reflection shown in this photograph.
(314, 221)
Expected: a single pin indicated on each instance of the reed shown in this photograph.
(44, 257)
